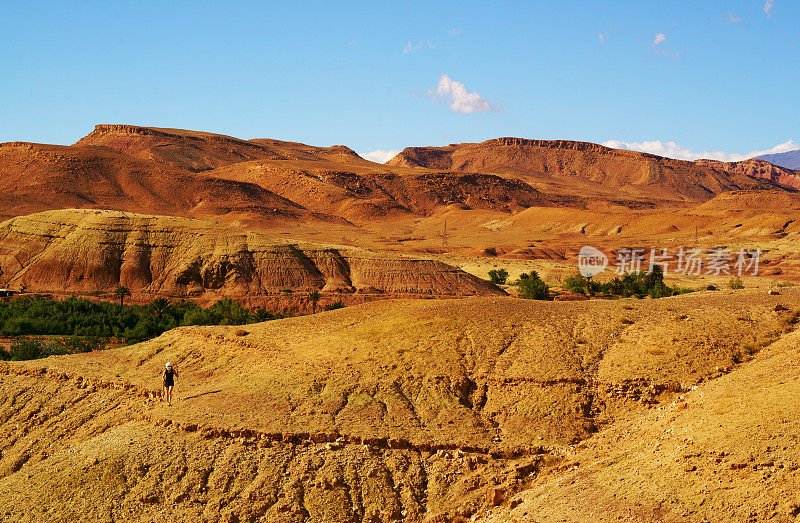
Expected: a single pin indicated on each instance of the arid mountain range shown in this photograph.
(508, 198)
(580, 167)
(196, 174)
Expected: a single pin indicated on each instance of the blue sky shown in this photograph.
(716, 78)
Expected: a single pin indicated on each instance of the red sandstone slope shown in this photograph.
(584, 166)
(200, 151)
(35, 177)
(298, 186)
(757, 169)
(331, 180)
(361, 195)
(328, 180)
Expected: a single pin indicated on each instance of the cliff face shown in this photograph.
(87, 250)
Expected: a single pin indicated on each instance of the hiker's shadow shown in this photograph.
(203, 394)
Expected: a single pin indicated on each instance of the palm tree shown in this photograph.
(121, 292)
(314, 297)
(160, 306)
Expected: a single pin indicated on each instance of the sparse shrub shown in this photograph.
(34, 348)
(27, 349)
(334, 305)
(789, 320)
(532, 287)
(498, 276)
(77, 344)
(659, 290)
(736, 283)
(783, 284)
(262, 314)
(575, 283)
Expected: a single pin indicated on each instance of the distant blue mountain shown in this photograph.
(789, 159)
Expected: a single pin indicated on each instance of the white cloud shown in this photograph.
(461, 100)
(411, 46)
(666, 50)
(732, 18)
(453, 32)
(380, 156)
(351, 43)
(673, 150)
(769, 7)
(602, 36)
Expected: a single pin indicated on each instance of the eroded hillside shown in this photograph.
(725, 451)
(200, 151)
(36, 177)
(91, 250)
(410, 410)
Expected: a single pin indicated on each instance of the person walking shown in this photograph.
(168, 377)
